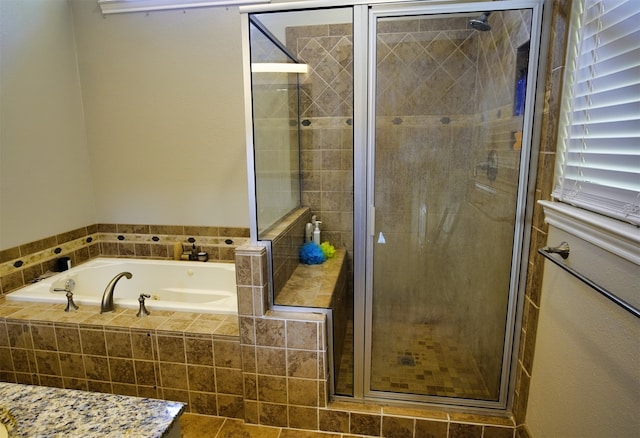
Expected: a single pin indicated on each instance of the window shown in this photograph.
(598, 166)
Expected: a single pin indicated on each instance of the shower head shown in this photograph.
(481, 23)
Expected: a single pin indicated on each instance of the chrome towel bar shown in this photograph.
(563, 251)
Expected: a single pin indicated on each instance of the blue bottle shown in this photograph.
(521, 90)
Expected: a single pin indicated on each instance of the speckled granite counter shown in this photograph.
(48, 412)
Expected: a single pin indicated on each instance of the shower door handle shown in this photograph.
(372, 221)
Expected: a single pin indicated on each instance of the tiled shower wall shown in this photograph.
(552, 78)
(339, 137)
(326, 111)
(20, 265)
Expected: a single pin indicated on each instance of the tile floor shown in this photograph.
(203, 426)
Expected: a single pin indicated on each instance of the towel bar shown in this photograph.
(563, 251)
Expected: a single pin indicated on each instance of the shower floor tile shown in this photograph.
(410, 358)
(413, 360)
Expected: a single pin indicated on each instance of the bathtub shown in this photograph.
(173, 285)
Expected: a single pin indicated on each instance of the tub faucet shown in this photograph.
(68, 288)
(107, 296)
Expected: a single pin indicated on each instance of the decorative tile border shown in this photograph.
(22, 264)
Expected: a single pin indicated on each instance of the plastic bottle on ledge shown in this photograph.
(316, 232)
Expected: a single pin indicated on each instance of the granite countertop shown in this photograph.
(46, 412)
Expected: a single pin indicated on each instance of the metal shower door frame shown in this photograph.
(364, 207)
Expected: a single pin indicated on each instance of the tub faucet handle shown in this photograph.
(69, 285)
(70, 304)
(143, 310)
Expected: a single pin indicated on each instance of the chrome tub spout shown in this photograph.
(107, 296)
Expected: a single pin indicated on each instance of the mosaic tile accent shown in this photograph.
(21, 265)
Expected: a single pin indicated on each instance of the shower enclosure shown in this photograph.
(429, 109)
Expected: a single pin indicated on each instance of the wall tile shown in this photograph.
(272, 389)
(47, 362)
(68, 339)
(93, 342)
(271, 361)
(72, 365)
(302, 418)
(333, 421)
(303, 364)
(365, 424)
(175, 395)
(148, 392)
(19, 335)
(270, 332)
(498, 432)
(227, 354)
(201, 378)
(273, 414)
(229, 381)
(171, 348)
(118, 344)
(303, 392)
(173, 375)
(203, 403)
(53, 381)
(122, 370)
(431, 429)
(457, 430)
(230, 406)
(199, 351)
(124, 389)
(302, 335)
(395, 427)
(97, 368)
(72, 383)
(44, 337)
(142, 344)
(145, 372)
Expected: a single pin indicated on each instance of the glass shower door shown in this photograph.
(446, 183)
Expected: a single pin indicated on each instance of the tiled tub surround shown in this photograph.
(41, 411)
(22, 264)
(187, 357)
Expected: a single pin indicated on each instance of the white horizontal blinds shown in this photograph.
(599, 165)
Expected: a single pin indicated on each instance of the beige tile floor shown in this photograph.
(412, 359)
(203, 426)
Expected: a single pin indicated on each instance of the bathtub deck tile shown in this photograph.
(124, 320)
(212, 317)
(203, 326)
(149, 322)
(7, 310)
(177, 325)
(189, 316)
(228, 329)
(100, 320)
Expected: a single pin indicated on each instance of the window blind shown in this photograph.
(598, 165)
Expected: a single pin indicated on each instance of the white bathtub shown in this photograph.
(173, 285)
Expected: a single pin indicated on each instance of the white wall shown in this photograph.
(134, 118)
(586, 372)
(163, 98)
(45, 181)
